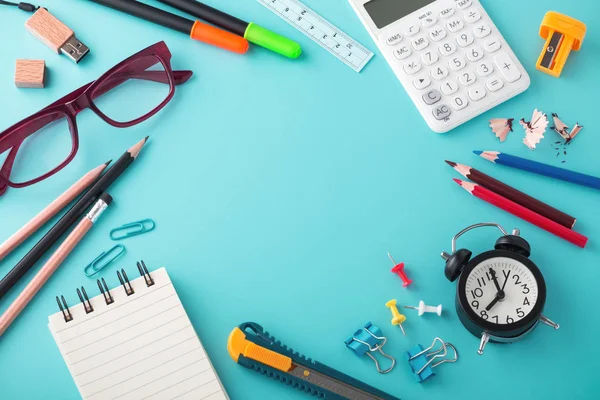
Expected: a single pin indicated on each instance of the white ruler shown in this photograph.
(321, 31)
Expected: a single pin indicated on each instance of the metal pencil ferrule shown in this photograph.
(97, 211)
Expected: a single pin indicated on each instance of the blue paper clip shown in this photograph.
(103, 260)
(421, 360)
(132, 229)
(368, 340)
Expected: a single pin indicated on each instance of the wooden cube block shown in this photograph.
(30, 73)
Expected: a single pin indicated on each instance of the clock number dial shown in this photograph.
(514, 280)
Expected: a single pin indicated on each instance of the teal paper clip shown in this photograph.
(132, 229)
(104, 260)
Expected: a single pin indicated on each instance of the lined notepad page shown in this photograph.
(141, 346)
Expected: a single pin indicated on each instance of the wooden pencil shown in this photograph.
(523, 213)
(540, 168)
(51, 210)
(515, 195)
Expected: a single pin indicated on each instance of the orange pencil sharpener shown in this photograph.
(562, 34)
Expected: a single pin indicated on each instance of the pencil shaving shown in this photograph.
(502, 127)
(563, 129)
(535, 129)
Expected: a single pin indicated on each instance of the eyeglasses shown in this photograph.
(131, 92)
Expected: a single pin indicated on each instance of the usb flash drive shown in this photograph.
(56, 35)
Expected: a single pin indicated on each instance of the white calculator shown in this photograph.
(448, 54)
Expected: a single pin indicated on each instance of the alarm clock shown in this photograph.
(501, 293)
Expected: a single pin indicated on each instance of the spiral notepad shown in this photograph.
(134, 342)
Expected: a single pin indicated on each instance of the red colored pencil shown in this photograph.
(523, 213)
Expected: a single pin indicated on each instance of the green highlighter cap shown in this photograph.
(272, 41)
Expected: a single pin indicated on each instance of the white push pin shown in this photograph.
(426, 309)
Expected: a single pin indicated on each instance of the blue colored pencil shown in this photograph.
(540, 168)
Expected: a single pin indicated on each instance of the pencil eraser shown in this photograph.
(30, 73)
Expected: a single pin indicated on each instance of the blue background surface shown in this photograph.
(278, 186)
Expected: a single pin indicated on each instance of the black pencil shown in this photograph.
(72, 216)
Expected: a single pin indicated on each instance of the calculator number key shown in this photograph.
(459, 102)
(475, 54)
(442, 112)
(477, 92)
(467, 78)
(472, 16)
(402, 52)
(457, 63)
(482, 30)
(449, 87)
(412, 67)
(430, 57)
(419, 43)
(455, 25)
(421, 82)
(432, 97)
(485, 68)
(440, 72)
(394, 39)
(411, 30)
(494, 83)
(447, 48)
(507, 67)
(492, 45)
(465, 39)
(437, 33)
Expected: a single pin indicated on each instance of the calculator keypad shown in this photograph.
(456, 60)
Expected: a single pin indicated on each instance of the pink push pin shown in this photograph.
(399, 270)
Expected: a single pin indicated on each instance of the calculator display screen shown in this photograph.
(384, 12)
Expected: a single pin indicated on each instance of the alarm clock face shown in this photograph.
(502, 291)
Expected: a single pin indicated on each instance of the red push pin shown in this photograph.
(399, 270)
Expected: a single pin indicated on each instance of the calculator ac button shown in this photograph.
(449, 87)
(394, 39)
(485, 68)
(492, 45)
(446, 12)
(477, 92)
(465, 39)
(437, 33)
(438, 73)
(430, 57)
(411, 30)
(507, 67)
(429, 21)
(432, 97)
(457, 63)
(494, 83)
(421, 82)
(472, 16)
(475, 53)
(412, 67)
(441, 112)
(467, 78)
(462, 4)
(402, 52)
(455, 25)
(447, 48)
(459, 102)
(419, 43)
(482, 30)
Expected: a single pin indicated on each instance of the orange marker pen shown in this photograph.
(197, 30)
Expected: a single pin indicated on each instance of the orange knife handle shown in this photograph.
(218, 37)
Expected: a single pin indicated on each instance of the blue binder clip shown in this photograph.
(422, 361)
(367, 340)
(132, 229)
(104, 260)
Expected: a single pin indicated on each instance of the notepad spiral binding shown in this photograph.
(104, 291)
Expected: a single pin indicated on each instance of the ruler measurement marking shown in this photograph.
(321, 31)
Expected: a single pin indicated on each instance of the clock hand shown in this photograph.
(495, 279)
(493, 303)
(505, 281)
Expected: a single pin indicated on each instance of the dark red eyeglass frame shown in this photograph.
(72, 104)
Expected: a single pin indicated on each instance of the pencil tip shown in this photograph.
(478, 152)
(135, 150)
(450, 163)
(457, 181)
(106, 164)
(146, 138)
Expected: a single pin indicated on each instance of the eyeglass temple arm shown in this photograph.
(179, 77)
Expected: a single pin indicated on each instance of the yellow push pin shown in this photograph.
(397, 318)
